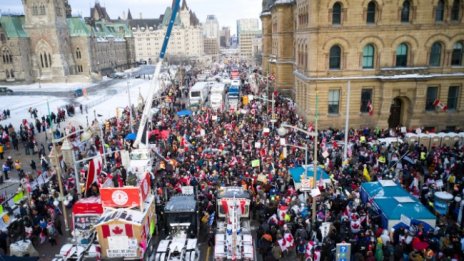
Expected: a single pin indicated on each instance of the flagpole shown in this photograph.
(347, 122)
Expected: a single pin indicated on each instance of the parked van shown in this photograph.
(198, 94)
(217, 96)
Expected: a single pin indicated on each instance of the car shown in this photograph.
(5, 91)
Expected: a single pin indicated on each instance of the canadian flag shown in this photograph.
(282, 211)
(95, 168)
(289, 239)
(273, 219)
(355, 226)
(283, 244)
(309, 250)
(437, 103)
(117, 230)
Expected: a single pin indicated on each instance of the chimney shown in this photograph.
(141, 17)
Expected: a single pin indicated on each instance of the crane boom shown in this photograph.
(155, 84)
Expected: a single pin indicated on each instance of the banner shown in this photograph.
(120, 197)
(255, 163)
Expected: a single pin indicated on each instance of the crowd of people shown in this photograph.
(210, 149)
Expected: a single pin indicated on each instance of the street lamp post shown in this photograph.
(55, 158)
(282, 131)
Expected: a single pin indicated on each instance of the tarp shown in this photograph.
(183, 113)
(130, 136)
(298, 171)
(383, 188)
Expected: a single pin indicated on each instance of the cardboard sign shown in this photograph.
(187, 190)
(255, 163)
(120, 197)
(257, 145)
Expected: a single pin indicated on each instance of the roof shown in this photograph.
(126, 215)
(98, 12)
(147, 23)
(104, 29)
(78, 27)
(181, 203)
(393, 208)
(13, 26)
(383, 189)
(234, 192)
(167, 17)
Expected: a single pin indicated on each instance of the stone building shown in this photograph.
(47, 44)
(186, 37)
(401, 58)
(225, 37)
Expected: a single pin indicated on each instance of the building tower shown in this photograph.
(46, 26)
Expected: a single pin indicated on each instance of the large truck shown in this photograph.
(181, 223)
(233, 97)
(233, 240)
(198, 94)
(217, 96)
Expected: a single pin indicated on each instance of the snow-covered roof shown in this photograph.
(284, 2)
(265, 13)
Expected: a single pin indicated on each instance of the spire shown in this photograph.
(184, 5)
(129, 15)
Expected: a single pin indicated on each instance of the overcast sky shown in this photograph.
(227, 11)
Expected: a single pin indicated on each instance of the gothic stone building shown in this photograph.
(47, 44)
(400, 58)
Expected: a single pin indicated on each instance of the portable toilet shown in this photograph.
(435, 140)
(445, 138)
(424, 139)
(454, 137)
(411, 138)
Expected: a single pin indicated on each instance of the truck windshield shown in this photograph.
(185, 217)
(195, 94)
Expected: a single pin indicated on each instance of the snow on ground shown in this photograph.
(104, 101)
(50, 87)
(19, 106)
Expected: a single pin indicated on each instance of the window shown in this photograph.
(370, 19)
(402, 55)
(42, 61)
(337, 13)
(35, 10)
(12, 75)
(435, 54)
(7, 57)
(432, 95)
(334, 100)
(78, 53)
(368, 57)
(456, 55)
(440, 11)
(453, 93)
(405, 11)
(335, 57)
(7, 72)
(366, 97)
(455, 10)
(42, 9)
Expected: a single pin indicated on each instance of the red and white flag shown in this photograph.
(95, 168)
(437, 103)
(282, 211)
(225, 206)
(370, 108)
(283, 244)
(117, 230)
(289, 239)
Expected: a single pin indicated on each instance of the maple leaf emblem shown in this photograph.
(117, 230)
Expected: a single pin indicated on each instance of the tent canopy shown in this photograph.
(298, 171)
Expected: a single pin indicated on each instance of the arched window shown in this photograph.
(455, 10)
(402, 55)
(7, 57)
(35, 10)
(456, 56)
(42, 9)
(42, 61)
(337, 13)
(435, 54)
(335, 57)
(371, 8)
(405, 11)
(12, 73)
(78, 53)
(50, 60)
(440, 11)
(368, 56)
